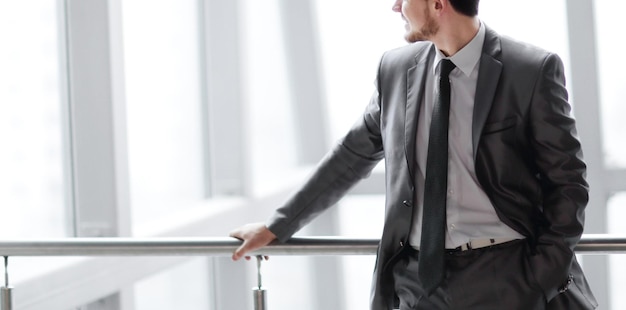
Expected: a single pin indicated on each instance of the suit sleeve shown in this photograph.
(558, 156)
(351, 160)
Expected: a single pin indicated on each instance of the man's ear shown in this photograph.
(440, 5)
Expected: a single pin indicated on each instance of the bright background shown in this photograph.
(174, 143)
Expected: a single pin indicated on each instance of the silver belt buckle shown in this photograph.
(466, 246)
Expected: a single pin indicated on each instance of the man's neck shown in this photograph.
(456, 34)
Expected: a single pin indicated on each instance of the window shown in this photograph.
(609, 25)
(184, 286)
(351, 50)
(548, 29)
(268, 106)
(32, 182)
(164, 112)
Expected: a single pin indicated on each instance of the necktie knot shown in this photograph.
(446, 66)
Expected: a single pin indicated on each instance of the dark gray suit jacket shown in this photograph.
(527, 159)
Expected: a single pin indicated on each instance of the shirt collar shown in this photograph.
(466, 58)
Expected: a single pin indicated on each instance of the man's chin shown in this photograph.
(412, 37)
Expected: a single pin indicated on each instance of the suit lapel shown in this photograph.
(486, 85)
(416, 78)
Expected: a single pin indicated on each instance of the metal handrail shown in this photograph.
(200, 246)
(595, 244)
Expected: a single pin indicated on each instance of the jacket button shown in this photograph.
(408, 203)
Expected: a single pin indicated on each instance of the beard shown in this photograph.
(427, 31)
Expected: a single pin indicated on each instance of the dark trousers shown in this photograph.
(487, 278)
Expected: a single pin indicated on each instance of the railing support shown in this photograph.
(7, 300)
(6, 291)
(259, 294)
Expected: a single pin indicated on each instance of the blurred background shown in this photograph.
(141, 118)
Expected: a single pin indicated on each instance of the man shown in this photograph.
(492, 227)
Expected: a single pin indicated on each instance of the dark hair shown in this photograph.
(466, 7)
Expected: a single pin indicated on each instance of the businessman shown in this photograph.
(485, 181)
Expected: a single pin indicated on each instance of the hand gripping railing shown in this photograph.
(194, 246)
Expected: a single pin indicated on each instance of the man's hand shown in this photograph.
(254, 236)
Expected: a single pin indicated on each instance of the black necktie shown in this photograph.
(432, 246)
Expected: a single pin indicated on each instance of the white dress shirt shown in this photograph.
(470, 214)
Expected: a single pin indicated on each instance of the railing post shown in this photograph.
(6, 290)
(7, 302)
(259, 294)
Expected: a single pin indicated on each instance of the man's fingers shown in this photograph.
(235, 234)
(245, 247)
(254, 236)
(241, 250)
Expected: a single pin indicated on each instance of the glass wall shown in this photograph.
(32, 186)
(268, 109)
(351, 46)
(609, 27)
(184, 286)
(541, 23)
(34, 203)
(164, 112)
(163, 71)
